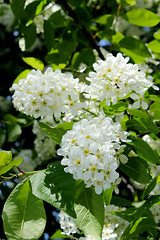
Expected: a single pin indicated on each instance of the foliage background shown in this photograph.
(65, 41)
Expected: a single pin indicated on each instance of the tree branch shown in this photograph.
(72, 14)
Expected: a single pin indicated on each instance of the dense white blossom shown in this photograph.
(114, 226)
(41, 94)
(115, 78)
(67, 224)
(43, 144)
(155, 209)
(145, 3)
(92, 150)
(6, 16)
(155, 144)
(5, 104)
(28, 163)
(124, 26)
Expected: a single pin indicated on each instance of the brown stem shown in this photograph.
(20, 170)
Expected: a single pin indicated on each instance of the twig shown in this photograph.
(72, 14)
(19, 175)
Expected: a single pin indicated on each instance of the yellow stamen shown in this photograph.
(93, 168)
(86, 151)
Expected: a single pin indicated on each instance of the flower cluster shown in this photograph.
(44, 145)
(47, 94)
(114, 226)
(92, 150)
(115, 79)
(6, 16)
(67, 224)
(28, 163)
(5, 104)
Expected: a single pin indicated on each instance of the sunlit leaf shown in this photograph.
(23, 214)
(5, 158)
(14, 163)
(34, 62)
(89, 208)
(154, 46)
(56, 133)
(22, 75)
(142, 17)
(55, 186)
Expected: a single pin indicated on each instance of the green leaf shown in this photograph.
(155, 108)
(49, 34)
(136, 125)
(119, 201)
(62, 51)
(157, 35)
(134, 48)
(12, 164)
(154, 98)
(142, 125)
(30, 10)
(127, 215)
(58, 235)
(2, 137)
(34, 62)
(154, 46)
(22, 75)
(150, 125)
(106, 19)
(56, 187)
(5, 158)
(132, 214)
(151, 186)
(84, 56)
(58, 20)
(139, 226)
(14, 131)
(142, 17)
(17, 7)
(76, 3)
(40, 6)
(23, 214)
(137, 169)
(114, 109)
(89, 208)
(126, 2)
(107, 195)
(137, 113)
(143, 150)
(56, 133)
(117, 37)
(29, 35)
(10, 118)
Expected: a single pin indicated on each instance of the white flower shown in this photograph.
(155, 210)
(89, 151)
(6, 16)
(43, 144)
(114, 226)
(5, 104)
(28, 163)
(48, 93)
(138, 101)
(67, 224)
(115, 78)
